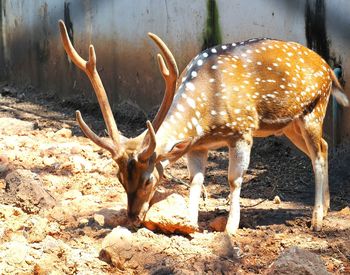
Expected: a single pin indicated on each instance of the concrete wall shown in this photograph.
(31, 51)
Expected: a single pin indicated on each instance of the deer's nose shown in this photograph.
(135, 219)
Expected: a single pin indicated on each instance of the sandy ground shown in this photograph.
(81, 178)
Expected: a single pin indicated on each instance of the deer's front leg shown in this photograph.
(239, 157)
(196, 163)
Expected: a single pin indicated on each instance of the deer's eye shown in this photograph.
(149, 180)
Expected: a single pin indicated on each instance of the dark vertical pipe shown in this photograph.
(315, 27)
(316, 37)
(3, 74)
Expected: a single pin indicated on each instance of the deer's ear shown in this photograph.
(177, 151)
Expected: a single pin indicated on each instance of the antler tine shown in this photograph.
(151, 146)
(167, 54)
(95, 138)
(89, 67)
(72, 53)
(170, 74)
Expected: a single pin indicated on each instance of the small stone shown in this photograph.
(78, 164)
(62, 214)
(117, 247)
(65, 133)
(99, 219)
(218, 224)
(83, 222)
(277, 200)
(7, 90)
(297, 261)
(169, 216)
(48, 152)
(51, 245)
(15, 252)
(38, 270)
(4, 163)
(27, 191)
(48, 161)
(345, 211)
(53, 228)
(36, 229)
(111, 218)
(85, 205)
(118, 234)
(75, 150)
(2, 231)
(72, 194)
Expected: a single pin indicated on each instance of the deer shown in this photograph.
(227, 95)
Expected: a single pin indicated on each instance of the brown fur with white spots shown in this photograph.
(227, 95)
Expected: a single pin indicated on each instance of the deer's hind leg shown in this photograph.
(293, 133)
(311, 131)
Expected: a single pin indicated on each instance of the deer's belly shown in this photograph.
(225, 137)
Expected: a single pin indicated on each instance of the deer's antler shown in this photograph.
(170, 74)
(89, 67)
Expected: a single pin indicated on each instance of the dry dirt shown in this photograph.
(90, 202)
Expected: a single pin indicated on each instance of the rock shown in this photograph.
(36, 228)
(85, 205)
(76, 150)
(218, 243)
(111, 218)
(77, 164)
(118, 234)
(27, 191)
(52, 246)
(277, 200)
(65, 133)
(218, 224)
(144, 249)
(15, 251)
(4, 163)
(72, 194)
(2, 183)
(38, 270)
(117, 247)
(13, 219)
(69, 210)
(10, 125)
(2, 231)
(61, 214)
(83, 222)
(53, 228)
(79, 259)
(11, 142)
(10, 91)
(169, 216)
(296, 261)
(48, 161)
(345, 211)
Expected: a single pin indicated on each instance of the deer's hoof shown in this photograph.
(317, 220)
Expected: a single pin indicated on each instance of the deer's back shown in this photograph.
(256, 85)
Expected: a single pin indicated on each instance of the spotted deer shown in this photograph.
(227, 95)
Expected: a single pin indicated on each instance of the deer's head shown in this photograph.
(140, 168)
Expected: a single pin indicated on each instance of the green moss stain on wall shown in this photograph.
(212, 32)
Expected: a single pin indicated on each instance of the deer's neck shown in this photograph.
(166, 138)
